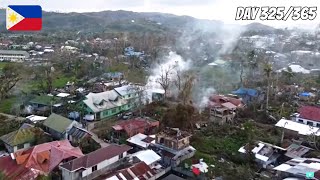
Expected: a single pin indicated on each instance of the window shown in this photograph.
(309, 123)
(114, 110)
(20, 146)
(300, 121)
(94, 168)
(318, 125)
(129, 95)
(121, 156)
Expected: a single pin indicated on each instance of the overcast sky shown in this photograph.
(224, 10)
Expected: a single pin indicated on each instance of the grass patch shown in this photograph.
(3, 64)
(118, 67)
(137, 76)
(61, 81)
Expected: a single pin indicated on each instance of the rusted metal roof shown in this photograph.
(96, 157)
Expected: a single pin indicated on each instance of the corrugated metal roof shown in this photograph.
(302, 129)
(296, 150)
(45, 157)
(300, 166)
(147, 156)
(129, 89)
(57, 123)
(14, 52)
(139, 171)
(25, 134)
(78, 133)
(98, 102)
(96, 157)
(310, 112)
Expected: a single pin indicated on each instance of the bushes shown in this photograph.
(88, 145)
(7, 126)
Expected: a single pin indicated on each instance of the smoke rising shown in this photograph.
(201, 44)
(172, 63)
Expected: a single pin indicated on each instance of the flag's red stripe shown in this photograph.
(28, 24)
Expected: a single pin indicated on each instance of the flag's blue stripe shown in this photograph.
(28, 11)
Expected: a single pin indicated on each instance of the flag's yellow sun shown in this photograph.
(13, 18)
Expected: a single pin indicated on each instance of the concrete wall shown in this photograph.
(305, 121)
(221, 118)
(181, 159)
(67, 175)
(174, 144)
(107, 162)
(103, 170)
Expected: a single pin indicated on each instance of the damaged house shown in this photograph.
(223, 109)
(268, 154)
(174, 146)
(265, 153)
(135, 126)
(299, 168)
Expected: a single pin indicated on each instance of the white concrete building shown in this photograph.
(14, 56)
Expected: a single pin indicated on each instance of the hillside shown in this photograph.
(111, 21)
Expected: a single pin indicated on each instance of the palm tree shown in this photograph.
(268, 70)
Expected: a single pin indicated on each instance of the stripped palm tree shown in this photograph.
(268, 70)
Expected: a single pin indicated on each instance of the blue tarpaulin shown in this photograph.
(246, 91)
(306, 94)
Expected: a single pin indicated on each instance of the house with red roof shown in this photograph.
(135, 126)
(95, 163)
(13, 171)
(223, 108)
(40, 159)
(309, 115)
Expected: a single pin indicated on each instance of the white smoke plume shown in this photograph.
(204, 97)
(172, 62)
(200, 45)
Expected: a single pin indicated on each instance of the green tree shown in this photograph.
(88, 145)
(288, 75)
(10, 76)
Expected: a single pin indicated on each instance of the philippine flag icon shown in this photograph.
(24, 18)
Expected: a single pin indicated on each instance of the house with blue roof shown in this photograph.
(247, 95)
(129, 51)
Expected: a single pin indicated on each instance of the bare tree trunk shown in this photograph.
(268, 90)
(241, 75)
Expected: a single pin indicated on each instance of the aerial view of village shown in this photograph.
(157, 90)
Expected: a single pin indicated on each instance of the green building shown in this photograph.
(106, 104)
